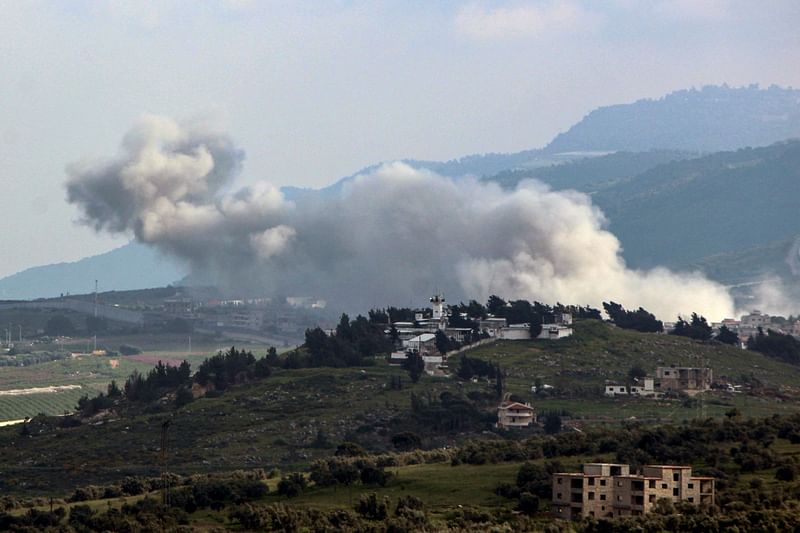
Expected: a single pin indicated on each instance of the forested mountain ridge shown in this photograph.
(711, 119)
(683, 211)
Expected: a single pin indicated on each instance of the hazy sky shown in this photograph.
(315, 91)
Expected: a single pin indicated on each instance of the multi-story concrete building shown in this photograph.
(515, 415)
(682, 379)
(606, 490)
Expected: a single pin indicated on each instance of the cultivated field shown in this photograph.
(92, 374)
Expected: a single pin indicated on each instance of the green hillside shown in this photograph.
(730, 214)
(590, 174)
(599, 352)
(294, 416)
(683, 211)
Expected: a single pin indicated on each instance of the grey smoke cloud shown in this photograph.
(389, 237)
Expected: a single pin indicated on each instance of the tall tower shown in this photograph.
(437, 302)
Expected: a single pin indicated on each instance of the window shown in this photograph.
(691, 500)
(676, 476)
(691, 485)
(651, 498)
(675, 492)
(558, 496)
(603, 497)
(619, 483)
(591, 481)
(652, 484)
(558, 481)
(663, 485)
(619, 498)
(602, 482)
(591, 495)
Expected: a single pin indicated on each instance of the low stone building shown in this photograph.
(605, 490)
(555, 332)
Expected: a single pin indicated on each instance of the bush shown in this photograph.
(183, 396)
(127, 349)
(370, 507)
(371, 475)
(406, 440)
(350, 449)
(528, 503)
(292, 485)
(786, 473)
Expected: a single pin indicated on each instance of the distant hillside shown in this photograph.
(133, 266)
(589, 174)
(472, 165)
(684, 211)
(711, 119)
(729, 214)
(742, 266)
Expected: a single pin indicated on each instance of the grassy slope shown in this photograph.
(274, 422)
(94, 373)
(599, 352)
(269, 423)
(442, 487)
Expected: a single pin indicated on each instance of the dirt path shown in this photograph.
(39, 390)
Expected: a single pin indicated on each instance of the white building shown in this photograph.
(565, 319)
(554, 332)
(492, 325)
(616, 390)
(515, 415)
(424, 343)
(515, 332)
(646, 388)
(749, 324)
(437, 303)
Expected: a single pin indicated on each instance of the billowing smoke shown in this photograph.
(774, 296)
(390, 237)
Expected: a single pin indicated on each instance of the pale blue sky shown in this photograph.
(317, 90)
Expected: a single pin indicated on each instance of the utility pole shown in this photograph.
(20, 333)
(163, 458)
(95, 298)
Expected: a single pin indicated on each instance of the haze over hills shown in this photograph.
(683, 211)
(133, 266)
(730, 214)
(708, 120)
(667, 204)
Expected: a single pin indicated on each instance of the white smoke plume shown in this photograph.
(389, 237)
(774, 297)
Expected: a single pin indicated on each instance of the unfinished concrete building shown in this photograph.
(683, 379)
(605, 490)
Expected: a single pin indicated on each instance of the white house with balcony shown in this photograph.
(515, 415)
